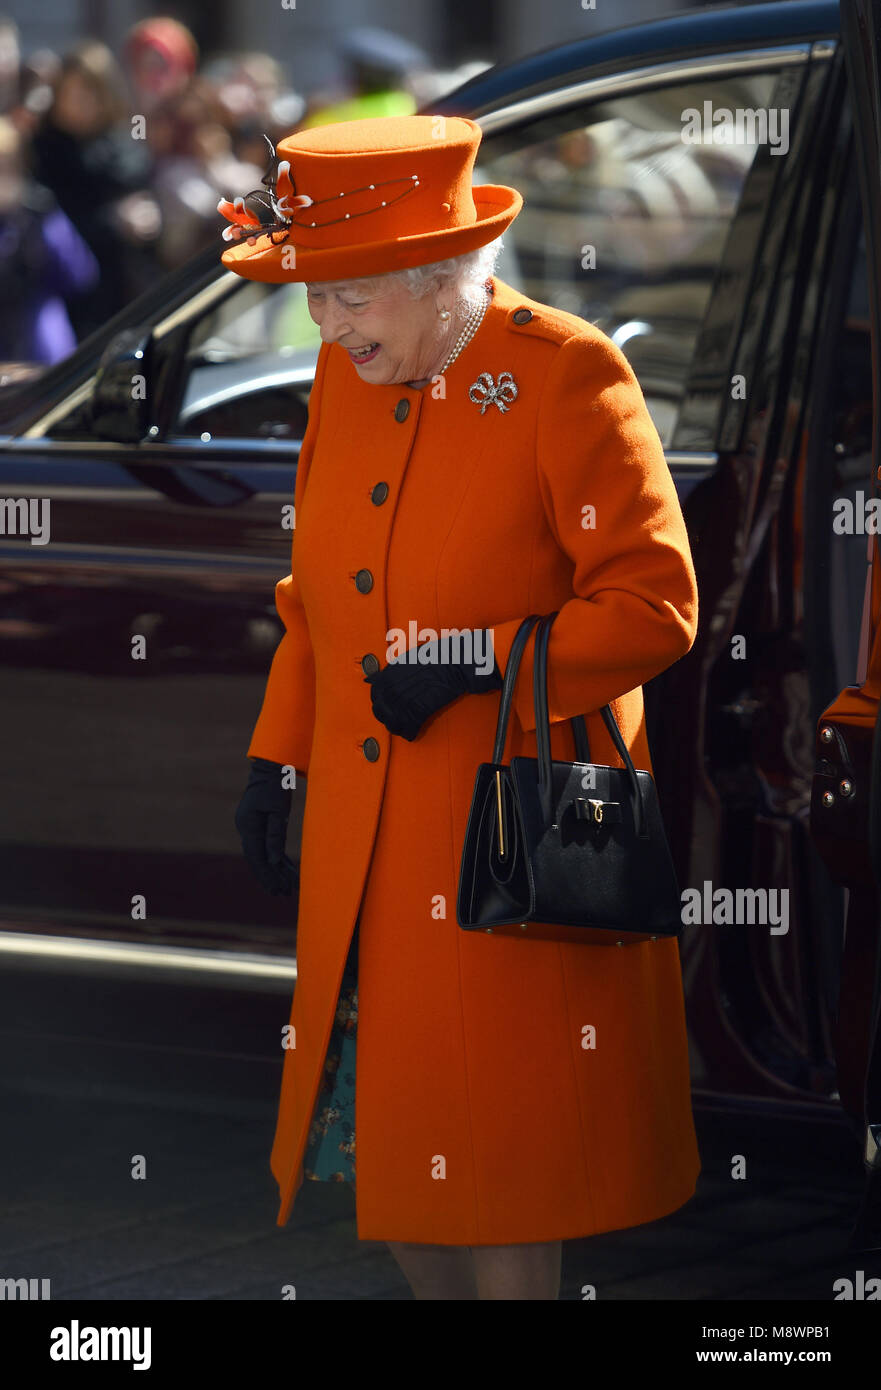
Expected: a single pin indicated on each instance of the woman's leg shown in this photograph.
(518, 1271)
(436, 1271)
(481, 1271)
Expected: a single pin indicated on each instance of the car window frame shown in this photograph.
(689, 465)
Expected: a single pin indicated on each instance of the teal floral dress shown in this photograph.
(330, 1149)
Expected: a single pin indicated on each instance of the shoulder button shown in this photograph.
(522, 315)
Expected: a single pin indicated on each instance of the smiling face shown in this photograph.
(408, 340)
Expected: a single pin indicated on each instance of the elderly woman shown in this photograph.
(472, 456)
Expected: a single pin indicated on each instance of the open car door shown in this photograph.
(846, 791)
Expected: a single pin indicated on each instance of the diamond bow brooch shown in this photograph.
(484, 391)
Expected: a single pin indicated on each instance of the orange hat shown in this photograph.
(359, 198)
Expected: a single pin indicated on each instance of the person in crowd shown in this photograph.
(39, 74)
(257, 103)
(193, 162)
(378, 66)
(86, 152)
(25, 83)
(10, 64)
(43, 263)
(160, 57)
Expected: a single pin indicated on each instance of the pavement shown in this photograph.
(98, 1068)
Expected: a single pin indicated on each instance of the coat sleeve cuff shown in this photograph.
(576, 684)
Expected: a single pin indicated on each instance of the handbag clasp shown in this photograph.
(588, 808)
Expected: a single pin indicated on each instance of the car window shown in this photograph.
(625, 220)
(248, 365)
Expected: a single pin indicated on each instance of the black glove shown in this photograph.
(262, 822)
(404, 694)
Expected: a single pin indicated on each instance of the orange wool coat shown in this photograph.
(480, 1116)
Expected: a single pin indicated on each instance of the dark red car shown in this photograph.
(707, 189)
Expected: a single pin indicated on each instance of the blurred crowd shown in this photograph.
(111, 165)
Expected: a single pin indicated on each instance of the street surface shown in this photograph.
(99, 1065)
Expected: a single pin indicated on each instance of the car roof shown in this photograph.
(713, 29)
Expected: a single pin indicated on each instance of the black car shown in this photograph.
(705, 188)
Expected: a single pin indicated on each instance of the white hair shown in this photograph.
(466, 273)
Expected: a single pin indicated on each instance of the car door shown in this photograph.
(136, 639)
(846, 793)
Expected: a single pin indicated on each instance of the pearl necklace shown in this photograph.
(472, 324)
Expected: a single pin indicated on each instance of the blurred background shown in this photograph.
(120, 128)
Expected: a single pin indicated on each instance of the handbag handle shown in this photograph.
(543, 733)
(520, 639)
(579, 728)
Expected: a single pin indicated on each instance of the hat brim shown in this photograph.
(496, 208)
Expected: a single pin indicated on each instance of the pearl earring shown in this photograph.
(444, 314)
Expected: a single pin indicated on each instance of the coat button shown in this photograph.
(370, 749)
(522, 315)
(402, 410)
(369, 664)
(364, 581)
(379, 494)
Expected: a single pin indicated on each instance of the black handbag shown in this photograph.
(562, 851)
